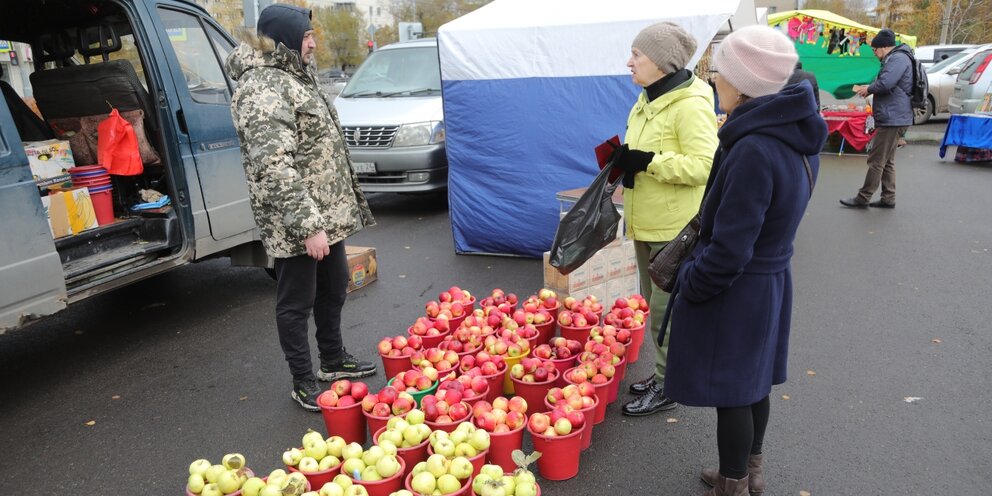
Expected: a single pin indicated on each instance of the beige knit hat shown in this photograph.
(757, 60)
(667, 45)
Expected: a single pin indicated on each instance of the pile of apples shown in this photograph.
(597, 373)
(465, 338)
(532, 313)
(389, 401)
(342, 485)
(526, 331)
(278, 483)
(502, 415)
(414, 380)
(445, 309)
(210, 479)
(435, 362)
(343, 393)
(317, 454)
(572, 396)
(505, 302)
(558, 348)
(590, 303)
(534, 370)
(466, 387)
(635, 302)
(442, 412)
(625, 318)
(581, 317)
(487, 363)
(507, 343)
(373, 464)
(465, 441)
(400, 346)
(439, 475)
(609, 334)
(404, 432)
(456, 294)
(491, 481)
(610, 354)
(558, 423)
(424, 326)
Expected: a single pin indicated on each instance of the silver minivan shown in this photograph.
(972, 83)
(393, 119)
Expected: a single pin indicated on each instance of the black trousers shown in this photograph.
(740, 432)
(304, 285)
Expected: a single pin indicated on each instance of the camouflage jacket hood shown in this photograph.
(298, 168)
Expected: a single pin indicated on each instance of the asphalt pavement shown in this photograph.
(888, 387)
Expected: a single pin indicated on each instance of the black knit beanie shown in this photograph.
(884, 38)
(285, 24)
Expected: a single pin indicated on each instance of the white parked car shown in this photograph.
(972, 83)
(941, 78)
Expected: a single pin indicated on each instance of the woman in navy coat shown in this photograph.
(732, 309)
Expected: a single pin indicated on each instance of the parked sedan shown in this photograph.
(972, 83)
(941, 78)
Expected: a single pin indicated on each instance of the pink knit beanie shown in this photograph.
(757, 60)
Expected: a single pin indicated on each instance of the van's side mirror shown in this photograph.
(953, 70)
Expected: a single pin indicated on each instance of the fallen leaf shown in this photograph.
(78, 333)
(804, 493)
(672, 420)
(810, 372)
(402, 276)
(786, 397)
(871, 232)
(912, 399)
(115, 397)
(242, 398)
(406, 247)
(937, 341)
(91, 423)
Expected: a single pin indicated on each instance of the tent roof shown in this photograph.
(830, 17)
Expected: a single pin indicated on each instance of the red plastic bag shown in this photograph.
(117, 146)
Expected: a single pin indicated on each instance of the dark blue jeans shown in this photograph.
(304, 285)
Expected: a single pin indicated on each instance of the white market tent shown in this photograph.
(530, 88)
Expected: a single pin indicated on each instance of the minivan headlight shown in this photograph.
(421, 133)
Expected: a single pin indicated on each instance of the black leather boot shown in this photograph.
(641, 387)
(653, 401)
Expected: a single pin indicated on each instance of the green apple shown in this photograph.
(415, 417)
(458, 437)
(277, 477)
(387, 466)
(252, 486)
(494, 488)
(425, 431)
(461, 468)
(419, 467)
(315, 447)
(328, 461)
(228, 482)
(199, 466)
(436, 436)
(396, 424)
(296, 483)
(370, 474)
(372, 455)
(523, 476)
(195, 483)
(331, 489)
(335, 445)
(309, 465)
(448, 484)
(211, 490)
(395, 436)
(388, 447)
(465, 449)
(356, 490)
(492, 470)
(445, 447)
(213, 473)
(479, 440)
(297, 478)
(270, 490)
(423, 483)
(311, 435)
(465, 427)
(481, 480)
(526, 489)
(233, 461)
(402, 492)
(352, 450)
(292, 457)
(351, 465)
(343, 480)
(508, 484)
(412, 435)
(437, 465)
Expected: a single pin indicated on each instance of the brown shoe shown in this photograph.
(755, 472)
(728, 487)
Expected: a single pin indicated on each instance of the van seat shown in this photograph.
(84, 90)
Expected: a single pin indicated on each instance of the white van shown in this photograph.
(929, 55)
(393, 120)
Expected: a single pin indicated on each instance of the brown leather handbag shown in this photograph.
(664, 267)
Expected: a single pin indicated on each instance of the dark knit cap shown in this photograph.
(884, 38)
(285, 24)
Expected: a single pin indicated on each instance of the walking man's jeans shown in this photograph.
(304, 285)
(881, 165)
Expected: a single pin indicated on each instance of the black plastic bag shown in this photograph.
(589, 226)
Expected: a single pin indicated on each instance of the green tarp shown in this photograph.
(850, 60)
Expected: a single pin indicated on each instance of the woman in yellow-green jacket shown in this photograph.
(666, 158)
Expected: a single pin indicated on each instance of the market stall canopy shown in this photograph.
(530, 88)
(834, 48)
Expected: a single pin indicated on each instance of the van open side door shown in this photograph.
(27, 251)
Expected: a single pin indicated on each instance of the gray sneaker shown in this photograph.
(344, 366)
(305, 393)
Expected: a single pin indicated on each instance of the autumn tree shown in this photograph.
(432, 14)
(340, 37)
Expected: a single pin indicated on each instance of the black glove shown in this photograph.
(632, 161)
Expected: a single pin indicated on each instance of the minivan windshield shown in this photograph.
(397, 72)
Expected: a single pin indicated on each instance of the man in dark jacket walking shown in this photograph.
(893, 112)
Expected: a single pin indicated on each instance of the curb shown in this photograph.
(924, 137)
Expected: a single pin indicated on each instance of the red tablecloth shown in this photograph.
(850, 125)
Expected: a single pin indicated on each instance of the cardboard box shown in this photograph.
(614, 290)
(362, 266)
(631, 285)
(597, 267)
(599, 291)
(629, 258)
(50, 162)
(565, 285)
(69, 212)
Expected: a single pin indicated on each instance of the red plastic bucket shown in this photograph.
(589, 414)
(465, 490)
(563, 364)
(560, 458)
(387, 486)
(510, 362)
(580, 334)
(96, 181)
(476, 396)
(634, 349)
(378, 423)
(411, 456)
(103, 204)
(477, 461)
(534, 392)
(86, 168)
(614, 389)
(495, 384)
(450, 427)
(545, 331)
(602, 394)
(318, 479)
(395, 365)
(430, 341)
(249, 473)
(502, 444)
(347, 422)
(454, 322)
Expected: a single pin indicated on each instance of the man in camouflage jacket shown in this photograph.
(303, 191)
